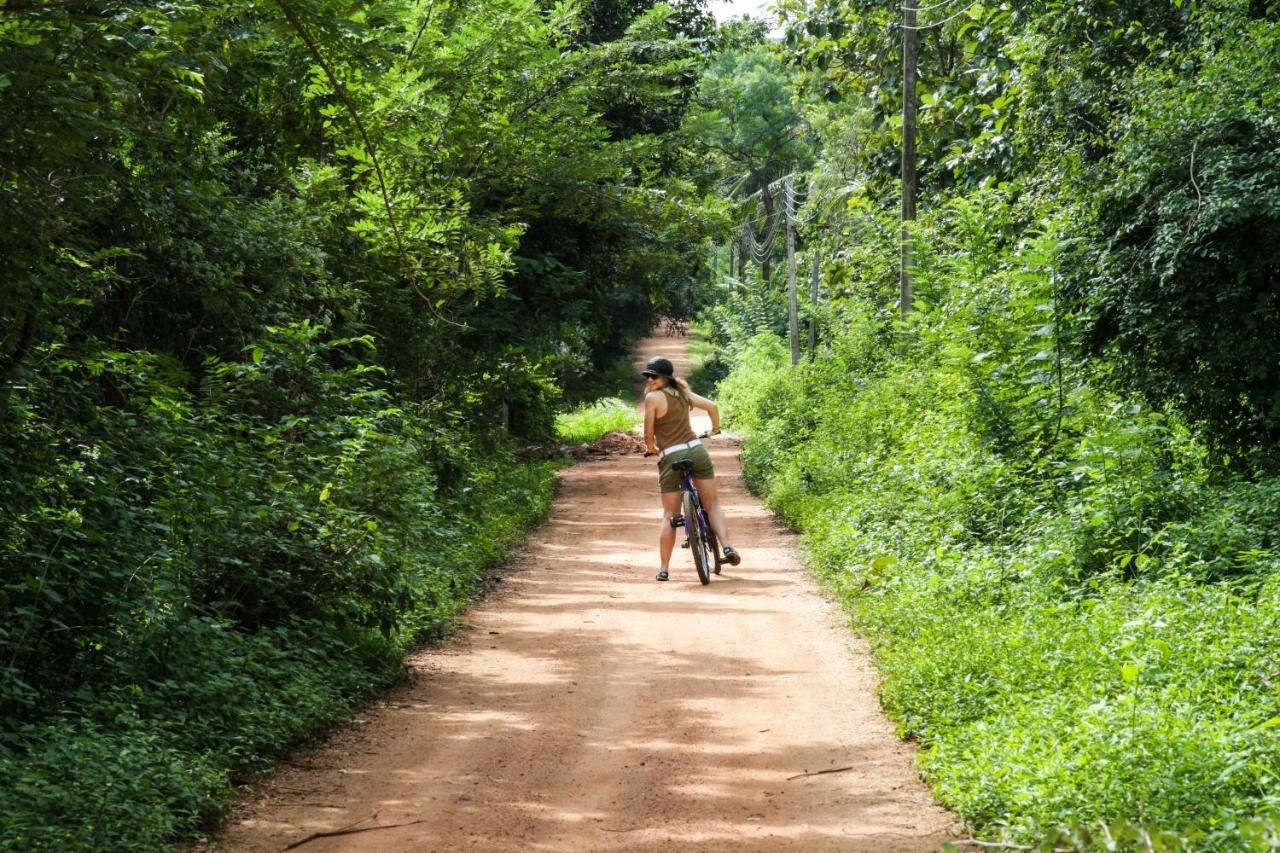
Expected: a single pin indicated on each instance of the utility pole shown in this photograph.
(793, 308)
(813, 301)
(909, 59)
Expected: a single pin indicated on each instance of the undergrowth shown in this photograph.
(242, 566)
(1073, 599)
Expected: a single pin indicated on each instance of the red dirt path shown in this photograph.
(590, 708)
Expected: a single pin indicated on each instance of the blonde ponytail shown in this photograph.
(684, 390)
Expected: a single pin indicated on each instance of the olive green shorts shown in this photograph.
(669, 478)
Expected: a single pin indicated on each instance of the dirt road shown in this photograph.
(590, 708)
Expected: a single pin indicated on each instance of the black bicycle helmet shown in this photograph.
(659, 366)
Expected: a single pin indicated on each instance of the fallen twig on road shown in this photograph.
(819, 772)
(347, 830)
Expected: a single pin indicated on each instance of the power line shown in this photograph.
(939, 23)
(928, 8)
(754, 247)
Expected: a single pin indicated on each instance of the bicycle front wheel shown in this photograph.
(713, 546)
(697, 542)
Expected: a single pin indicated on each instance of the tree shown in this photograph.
(608, 20)
(746, 115)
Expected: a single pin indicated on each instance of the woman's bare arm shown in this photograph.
(709, 407)
(653, 401)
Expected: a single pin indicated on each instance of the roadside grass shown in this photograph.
(241, 577)
(589, 421)
(700, 348)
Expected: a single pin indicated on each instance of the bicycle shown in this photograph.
(700, 538)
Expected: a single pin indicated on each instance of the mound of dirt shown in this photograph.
(615, 443)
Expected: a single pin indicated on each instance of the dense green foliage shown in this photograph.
(218, 574)
(286, 287)
(1050, 498)
(1174, 282)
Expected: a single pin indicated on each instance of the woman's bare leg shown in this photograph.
(667, 538)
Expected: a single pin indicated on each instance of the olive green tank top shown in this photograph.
(673, 427)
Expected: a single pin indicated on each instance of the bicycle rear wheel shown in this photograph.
(697, 542)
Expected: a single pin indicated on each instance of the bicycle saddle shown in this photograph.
(683, 465)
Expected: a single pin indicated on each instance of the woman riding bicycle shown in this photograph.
(667, 402)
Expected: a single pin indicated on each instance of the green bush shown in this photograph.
(1170, 273)
(77, 787)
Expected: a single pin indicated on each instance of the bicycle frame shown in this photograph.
(700, 519)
